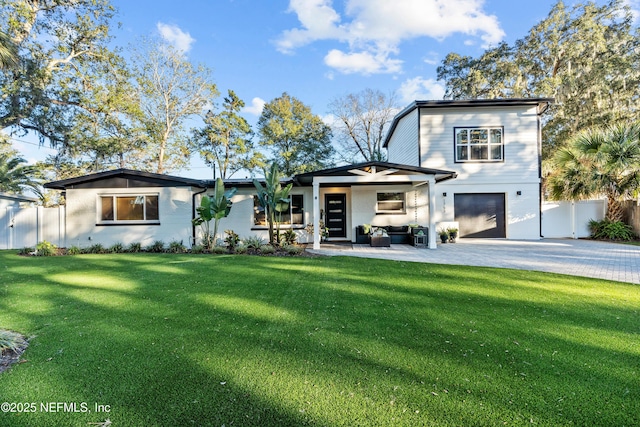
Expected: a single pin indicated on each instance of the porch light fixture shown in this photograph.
(519, 193)
(444, 194)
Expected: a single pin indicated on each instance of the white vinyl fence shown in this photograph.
(25, 227)
(570, 219)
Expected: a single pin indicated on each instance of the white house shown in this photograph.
(494, 146)
(476, 163)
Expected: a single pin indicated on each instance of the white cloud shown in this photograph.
(173, 35)
(432, 58)
(256, 107)
(362, 62)
(319, 21)
(420, 89)
(374, 29)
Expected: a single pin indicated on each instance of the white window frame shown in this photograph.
(116, 221)
(382, 210)
(490, 144)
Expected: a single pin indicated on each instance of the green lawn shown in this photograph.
(178, 340)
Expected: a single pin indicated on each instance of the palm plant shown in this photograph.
(15, 175)
(8, 52)
(273, 198)
(599, 161)
(214, 208)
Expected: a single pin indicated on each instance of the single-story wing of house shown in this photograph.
(469, 164)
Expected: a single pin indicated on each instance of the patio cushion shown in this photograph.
(397, 228)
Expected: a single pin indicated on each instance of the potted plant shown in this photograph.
(453, 234)
(444, 235)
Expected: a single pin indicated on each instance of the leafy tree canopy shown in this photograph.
(225, 142)
(59, 45)
(298, 139)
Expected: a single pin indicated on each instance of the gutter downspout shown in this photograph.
(193, 213)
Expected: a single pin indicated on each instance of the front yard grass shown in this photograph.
(174, 340)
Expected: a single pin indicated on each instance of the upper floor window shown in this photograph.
(129, 208)
(479, 144)
(293, 215)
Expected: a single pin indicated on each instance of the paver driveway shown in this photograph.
(586, 258)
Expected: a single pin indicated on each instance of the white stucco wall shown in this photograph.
(82, 219)
(241, 220)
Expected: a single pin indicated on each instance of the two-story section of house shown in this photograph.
(494, 146)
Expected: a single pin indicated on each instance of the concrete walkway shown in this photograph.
(602, 260)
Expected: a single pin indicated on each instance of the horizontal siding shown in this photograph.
(520, 142)
(403, 145)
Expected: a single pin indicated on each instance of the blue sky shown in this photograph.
(317, 50)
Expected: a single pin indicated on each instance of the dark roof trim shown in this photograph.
(124, 173)
(541, 103)
(307, 178)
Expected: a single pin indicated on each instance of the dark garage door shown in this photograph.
(480, 215)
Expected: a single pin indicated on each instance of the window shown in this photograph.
(293, 215)
(479, 144)
(139, 208)
(390, 203)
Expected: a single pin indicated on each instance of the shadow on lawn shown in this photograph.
(199, 344)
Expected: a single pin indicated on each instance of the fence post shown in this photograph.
(39, 222)
(573, 220)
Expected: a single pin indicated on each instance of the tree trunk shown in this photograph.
(615, 211)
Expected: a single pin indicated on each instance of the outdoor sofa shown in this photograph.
(402, 234)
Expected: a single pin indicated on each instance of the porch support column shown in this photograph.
(432, 212)
(316, 214)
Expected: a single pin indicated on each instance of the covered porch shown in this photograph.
(349, 196)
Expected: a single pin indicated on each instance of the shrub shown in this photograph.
(45, 248)
(219, 250)
(254, 242)
(176, 247)
(610, 230)
(116, 248)
(134, 247)
(26, 251)
(267, 249)
(293, 249)
(96, 249)
(241, 249)
(231, 240)
(197, 249)
(11, 341)
(74, 250)
(288, 237)
(156, 247)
